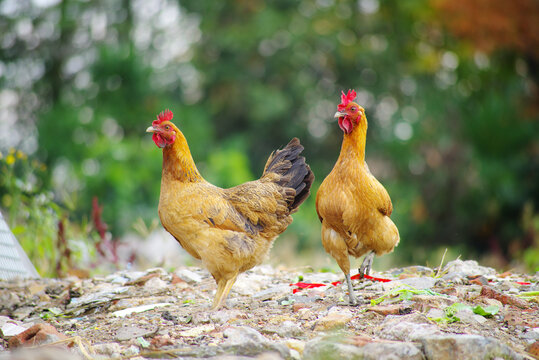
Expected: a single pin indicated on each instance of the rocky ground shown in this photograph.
(465, 311)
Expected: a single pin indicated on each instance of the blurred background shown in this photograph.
(450, 89)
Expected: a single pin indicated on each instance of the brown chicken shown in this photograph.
(352, 205)
(229, 230)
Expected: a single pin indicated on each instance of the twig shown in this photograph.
(441, 264)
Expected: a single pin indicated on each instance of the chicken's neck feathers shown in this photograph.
(178, 163)
(353, 144)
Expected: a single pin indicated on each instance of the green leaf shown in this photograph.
(486, 311)
(143, 342)
(404, 294)
(288, 302)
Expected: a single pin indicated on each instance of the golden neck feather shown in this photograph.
(353, 144)
(178, 162)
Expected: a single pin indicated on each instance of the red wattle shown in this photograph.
(346, 125)
(158, 140)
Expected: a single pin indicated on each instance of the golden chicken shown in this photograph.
(352, 205)
(229, 230)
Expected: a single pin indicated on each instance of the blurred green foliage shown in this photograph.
(452, 127)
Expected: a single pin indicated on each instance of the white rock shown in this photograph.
(155, 285)
(419, 283)
(196, 331)
(10, 329)
(138, 309)
(188, 276)
(249, 284)
(468, 268)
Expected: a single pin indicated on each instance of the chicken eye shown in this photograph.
(167, 127)
(353, 108)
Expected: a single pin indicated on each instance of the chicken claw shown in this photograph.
(366, 265)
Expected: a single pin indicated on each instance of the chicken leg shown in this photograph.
(351, 295)
(223, 288)
(366, 265)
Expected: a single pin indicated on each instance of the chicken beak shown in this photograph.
(151, 129)
(339, 114)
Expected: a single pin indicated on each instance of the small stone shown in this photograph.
(334, 319)
(249, 284)
(297, 345)
(272, 292)
(155, 284)
(243, 340)
(400, 309)
(461, 347)
(36, 288)
(435, 313)
(530, 334)
(289, 329)
(419, 283)
(490, 292)
(393, 328)
(188, 276)
(491, 302)
(108, 349)
(161, 340)
(138, 309)
(132, 332)
(10, 329)
(468, 268)
(349, 349)
(224, 316)
(298, 306)
(305, 314)
(237, 335)
(133, 350)
(467, 316)
(533, 349)
(418, 270)
(36, 335)
(197, 331)
(478, 280)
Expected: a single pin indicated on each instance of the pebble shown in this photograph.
(197, 331)
(468, 268)
(336, 318)
(467, 316)
(244, 340)
(188, 276)
(107, 349)
(344, 348)
(223, 316)
(272, 292)
(418, 283)
(289, 329)
(36, 335)
(126, 333)
(407, 328)
(156, 285)
(463, 347)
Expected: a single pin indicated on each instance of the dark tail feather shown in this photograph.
(294, 172)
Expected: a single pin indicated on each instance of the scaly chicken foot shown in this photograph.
(352, 296)
(223, 288)
(366, 265)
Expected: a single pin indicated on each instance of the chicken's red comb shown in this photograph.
(164, 116)
(346, 99)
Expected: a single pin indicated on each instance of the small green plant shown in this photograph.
(452, 310)
(56, 245)
(401, 294)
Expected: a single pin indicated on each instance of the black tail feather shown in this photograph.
(294, 172)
